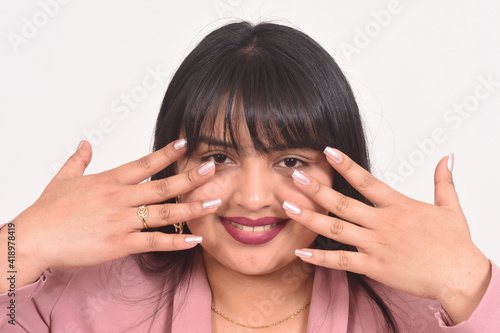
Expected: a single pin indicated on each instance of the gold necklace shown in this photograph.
(264, 326)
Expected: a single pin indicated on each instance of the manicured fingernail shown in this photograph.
(451, 162)
(80, 145)
(333, 154)
(206, 167)
(212, 203)
(301, 178)
(303, 254)
(193, 239)
(291, 208)
(181, 143)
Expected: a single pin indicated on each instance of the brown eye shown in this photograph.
(290, 162)
(219, 158)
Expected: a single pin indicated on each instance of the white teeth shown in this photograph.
(239, 226)
(246, 228)
(253, 229)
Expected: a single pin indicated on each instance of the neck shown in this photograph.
(260, 299)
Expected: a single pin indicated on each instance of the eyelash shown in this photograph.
(213, 157)
(301, 163)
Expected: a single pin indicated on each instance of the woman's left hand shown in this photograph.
(422, 249)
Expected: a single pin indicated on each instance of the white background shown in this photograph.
(66, 66)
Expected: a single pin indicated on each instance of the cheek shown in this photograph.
(290, 192)
(216, 187)
(325, 176)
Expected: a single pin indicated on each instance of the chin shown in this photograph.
(243, 254)
(253, 259)
(255, 264)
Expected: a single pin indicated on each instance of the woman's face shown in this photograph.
(250, 233)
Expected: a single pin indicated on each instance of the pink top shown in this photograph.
(114, 298)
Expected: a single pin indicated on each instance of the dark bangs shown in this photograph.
(251, 87)
(277, 81)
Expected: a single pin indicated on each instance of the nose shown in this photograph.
(254, 189)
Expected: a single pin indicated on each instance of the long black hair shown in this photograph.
(290, 93)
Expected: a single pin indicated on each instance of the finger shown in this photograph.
(161, 215)
(330, 227)
(364, 182)
(140, 242)
(167, 188)
(346, 208)
(444, 188)
(341, 260)
(75, 165)
(138, 170)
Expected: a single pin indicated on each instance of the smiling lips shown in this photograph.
(253, 232)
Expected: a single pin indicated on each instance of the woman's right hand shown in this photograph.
(87, 220)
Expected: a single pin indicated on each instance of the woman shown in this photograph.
(292, 240)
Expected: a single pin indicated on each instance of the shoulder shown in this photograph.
(103, 282)
(112, 295)
(412, 314)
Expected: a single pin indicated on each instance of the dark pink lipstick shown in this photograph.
(253, 232)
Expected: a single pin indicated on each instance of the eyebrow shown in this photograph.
(219, 143)
(211, 141)
(215, 142)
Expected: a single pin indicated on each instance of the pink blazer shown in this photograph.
(116, 297)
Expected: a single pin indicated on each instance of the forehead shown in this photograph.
(236, 121)
(233, 133)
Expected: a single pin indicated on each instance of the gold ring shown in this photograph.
(143, 214)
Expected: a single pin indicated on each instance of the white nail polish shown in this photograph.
(193, 239)
(205, 168)
(212, 203)
(333, 154)
(301, 178)
(303, 254)
(291, 208)
(451, 162)
(80, 145)
(180, 144)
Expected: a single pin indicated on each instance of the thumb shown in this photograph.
(78, 162)
(444, 188)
